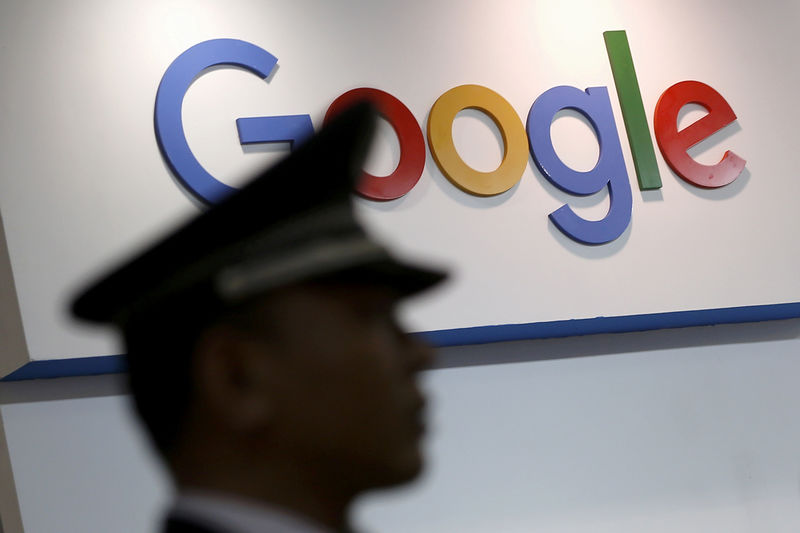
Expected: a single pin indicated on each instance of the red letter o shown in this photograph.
(412, 144)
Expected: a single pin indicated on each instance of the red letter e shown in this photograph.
(674, 143)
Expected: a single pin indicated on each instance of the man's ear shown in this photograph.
(232, 377)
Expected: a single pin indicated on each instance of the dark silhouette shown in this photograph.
(264, 356)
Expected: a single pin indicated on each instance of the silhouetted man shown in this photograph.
(264, 356)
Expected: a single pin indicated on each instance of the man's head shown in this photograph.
(321, 376)
(262, 337)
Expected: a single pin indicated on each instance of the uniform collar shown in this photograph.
(238, 515)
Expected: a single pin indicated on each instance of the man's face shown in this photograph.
(343, 382)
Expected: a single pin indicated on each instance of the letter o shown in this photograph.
(440, 139)
(409, 134)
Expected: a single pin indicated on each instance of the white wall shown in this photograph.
(83, 184)
(693, 430)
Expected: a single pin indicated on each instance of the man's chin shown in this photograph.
(404, 469)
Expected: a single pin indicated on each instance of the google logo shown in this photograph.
(519, 140)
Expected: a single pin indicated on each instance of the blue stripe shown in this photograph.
(615, 324)
(113, 364)
(62, 368)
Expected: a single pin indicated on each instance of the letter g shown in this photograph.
(169, 103)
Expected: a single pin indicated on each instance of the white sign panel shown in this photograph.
(83, 183)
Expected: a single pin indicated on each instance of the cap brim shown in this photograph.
(405, 278)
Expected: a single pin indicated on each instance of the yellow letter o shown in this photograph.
(440, 139)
